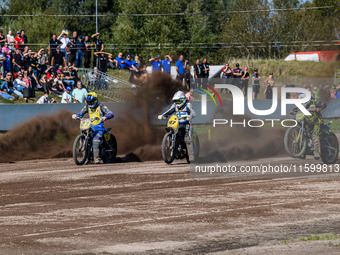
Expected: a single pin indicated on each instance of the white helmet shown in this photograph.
(179, 99)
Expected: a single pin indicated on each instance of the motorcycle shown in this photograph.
(298, 140)
(83, 147)
(173, 144)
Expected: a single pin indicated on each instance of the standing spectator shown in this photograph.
(19, 41)
(2, 38)
(120, 61)
(99, 46)
(237, 73)
(52, 46)
(269, 88)
(155, 63)
(245, 80)
(64, 42)
(58, 59)
(190, 95)
(128, 63)
(102, 60)
(7, 62)
(6, 48)
(17, 61)
(2, 61)
(67, 97)
(166, 64)
(256, 83)
(205, 70)
(42, 62)
(79, 93)
(87, 52)
(226, 75)
(10, 39)
(24, 37)
(187, 75)
(180, 69)
(198, 73)
(80, 52)
(75, 36)
(71, 50)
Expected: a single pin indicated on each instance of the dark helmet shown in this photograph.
(92, 100)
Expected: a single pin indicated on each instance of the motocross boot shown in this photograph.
(191, 154)
(316, 149)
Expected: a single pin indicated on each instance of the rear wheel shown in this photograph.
(111, 150)
(168, 148)
(329, 148)
(80, 151)
(295, 147)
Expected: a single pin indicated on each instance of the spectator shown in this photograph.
(32, 61)
(53, 86)
(7, 62)
(128, 63)
(93, 76)
(80, 51)
(27, 79)
(73, 73)
(120, 61)
(19, 83)
(180, 69)
(190, 95)
(205, 70)
(58, 59)
(19, 41)
(99, 46)
(338, 91)
(2, 38)
(75, 36)
(256, 83)
(8, 85)
(43, 82)
(2, 61)
(102, 60)
(198, 73)
(67, 97)
(237, 73)
(5, 47)
(10, 39)
(33, 77)
(71, 51)
(245, 80)
(156, 63)
(226, 75)
(87, 52)
(52, 46)
(42, 62)
(136, 64)
(64, 42)
(333, 93)
(187, 75)
(79, 93)
(17, 61)
(44, 99)
(24, 37)
(269, 88)
(5, 95)
(112, 63)
(166, 64)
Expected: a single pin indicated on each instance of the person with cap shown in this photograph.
(64, 42)
(269, 88)
(42, 62)
(128, 63)
(67, 97)
(19, 41)
(256, 83)
(80, 51)
(156, 63)
(166, 64)
(237, 73)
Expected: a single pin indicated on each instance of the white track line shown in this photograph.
(161, 218)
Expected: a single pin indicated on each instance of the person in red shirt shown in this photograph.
(19, 41)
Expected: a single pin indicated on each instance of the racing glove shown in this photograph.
(74, 116)
(160, 117)
(189, 117)
(102, 119)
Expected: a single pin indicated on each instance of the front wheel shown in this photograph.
(329, 148)
(80, 151)
(294, 145)
(168, 148)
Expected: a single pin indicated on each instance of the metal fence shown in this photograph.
(108, 86)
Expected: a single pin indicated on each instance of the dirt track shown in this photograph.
(54, 206)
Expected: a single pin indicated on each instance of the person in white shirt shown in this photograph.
(64, 40)
(67, 97)
(79, 93)
(44, 99)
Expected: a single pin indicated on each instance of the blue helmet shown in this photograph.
(92, 100)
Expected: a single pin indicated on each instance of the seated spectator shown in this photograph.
(120, 61)
(67, 97)
(27, 80)
(333, 93)
(33, 77)
(59, 83)
(73, 74)
(19, 83)
(5, 95)
(6, 47)
(8, 85)
(7, 62)
(45, 99)
(190, 95)
(112, 63)
(136, 64)
(43, 82)
(79, 93)
(53, 86)
(155, 63)
(2, 60)
(128, 63)
(93, 76)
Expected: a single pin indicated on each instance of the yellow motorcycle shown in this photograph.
(173, 145)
